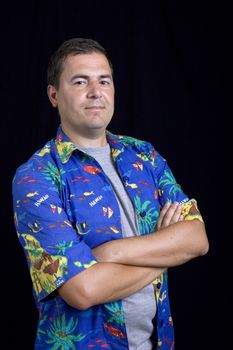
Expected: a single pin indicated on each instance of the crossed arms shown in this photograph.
(127, 265)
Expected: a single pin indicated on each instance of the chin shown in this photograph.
(98, 123)
(97, 128)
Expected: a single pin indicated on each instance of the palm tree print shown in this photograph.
(117, 313)
(64, 150)
(62, 246)
(130, 141)
(52, 174)
(48, 286)
(40, 330)
(146, 218)
(61, 334)
(169, 180)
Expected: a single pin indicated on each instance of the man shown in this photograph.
(84, 206)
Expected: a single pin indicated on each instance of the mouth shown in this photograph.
(95, 107)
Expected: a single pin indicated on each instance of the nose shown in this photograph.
(94, 90)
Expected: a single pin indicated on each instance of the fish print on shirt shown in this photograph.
(64, 206)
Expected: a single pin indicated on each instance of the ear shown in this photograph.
(52, 94)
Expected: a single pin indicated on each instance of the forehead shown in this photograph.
(89, 64)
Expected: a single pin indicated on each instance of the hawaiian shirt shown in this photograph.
(64, 206)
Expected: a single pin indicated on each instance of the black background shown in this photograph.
(172, 67)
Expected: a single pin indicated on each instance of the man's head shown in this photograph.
(80, 85)
(71, 47)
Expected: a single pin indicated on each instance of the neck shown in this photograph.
(86, 141)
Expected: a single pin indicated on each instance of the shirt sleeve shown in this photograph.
(53, 249)
(170, 190)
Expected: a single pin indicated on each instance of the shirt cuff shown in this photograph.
(190, 211)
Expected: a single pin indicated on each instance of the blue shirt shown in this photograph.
(64, 206)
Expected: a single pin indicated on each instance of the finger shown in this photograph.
(181, 218)
(166, 220)
(162, 213)
(176, 216)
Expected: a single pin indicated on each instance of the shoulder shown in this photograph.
(41, 160)
(142, 147)
(145, 150)
(133, 142)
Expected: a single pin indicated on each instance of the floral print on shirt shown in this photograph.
(64, 206)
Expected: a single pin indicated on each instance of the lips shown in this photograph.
(95, 107)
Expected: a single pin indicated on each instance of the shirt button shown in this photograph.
(125, 178)
(158, 285)
(142, 214)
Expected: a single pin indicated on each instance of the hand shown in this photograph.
(100, 253)
(170, 214)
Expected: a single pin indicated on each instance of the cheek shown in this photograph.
(110, 98)
(65, 106)
(71, 102)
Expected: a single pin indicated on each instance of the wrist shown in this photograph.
(104, 253)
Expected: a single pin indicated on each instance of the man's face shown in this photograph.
(85, 97)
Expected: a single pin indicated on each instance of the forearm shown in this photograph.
(106, 282)
(111, 282)
(171, 246)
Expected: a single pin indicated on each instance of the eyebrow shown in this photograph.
(87, 77)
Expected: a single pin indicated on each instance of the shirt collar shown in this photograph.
(65, 147)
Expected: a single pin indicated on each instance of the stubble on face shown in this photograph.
(86, 96)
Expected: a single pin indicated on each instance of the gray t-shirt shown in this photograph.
(139, 308)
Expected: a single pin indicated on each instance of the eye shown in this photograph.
(80, 82)
(105, 82)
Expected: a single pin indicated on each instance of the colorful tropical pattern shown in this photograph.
(64, 206)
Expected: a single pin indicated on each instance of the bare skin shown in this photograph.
(107, 281)
(174, 244)
(110, 281)
(171, 246)
(85, 100)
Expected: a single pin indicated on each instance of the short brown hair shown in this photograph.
(73, 46)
